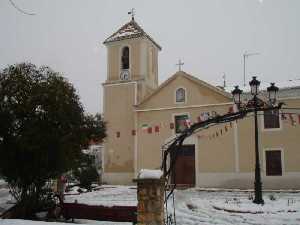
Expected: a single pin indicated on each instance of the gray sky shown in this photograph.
(209, 35)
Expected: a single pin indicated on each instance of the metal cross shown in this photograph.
(179, 64)
(132, 13)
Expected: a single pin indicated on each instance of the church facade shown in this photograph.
(142, 116)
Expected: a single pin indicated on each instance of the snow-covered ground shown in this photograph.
(6, 200)
(198, 206)
(107, 196)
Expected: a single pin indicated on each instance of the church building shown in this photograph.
(142, 116)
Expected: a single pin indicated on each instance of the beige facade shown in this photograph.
(141, 116)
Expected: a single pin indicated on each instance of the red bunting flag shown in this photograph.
(171, 126)
(299, 119)
(149, 130)
(199, 119)
(118, 134)
(133, 132)
(156, 129)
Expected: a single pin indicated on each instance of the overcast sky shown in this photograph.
(210, 36)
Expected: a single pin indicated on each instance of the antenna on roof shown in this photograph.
(132, 13)
(224, 80)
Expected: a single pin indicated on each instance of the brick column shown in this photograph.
(150, 194)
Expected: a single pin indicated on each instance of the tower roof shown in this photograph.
(128, 31)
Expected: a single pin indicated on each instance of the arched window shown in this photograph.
(125, 58)
(180, 95)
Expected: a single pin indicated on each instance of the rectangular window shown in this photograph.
(271, 119)
(181, 123)
(273, 163)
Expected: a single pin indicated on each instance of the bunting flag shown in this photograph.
(133, 132)
(149, 130)
(204, 116)
(199, 119)
(118, 134)
(299, 119)
(144, 127)
(187, 123)
(156, 129)
(171, 126)
(221, 131)
(293, 122)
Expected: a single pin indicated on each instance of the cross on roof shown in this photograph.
(132, 13)
(179, 64)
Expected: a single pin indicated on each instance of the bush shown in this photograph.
(86, 176)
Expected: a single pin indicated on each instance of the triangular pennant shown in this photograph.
(293, 122)
(226, 129)
(171, 126)
(199, 119)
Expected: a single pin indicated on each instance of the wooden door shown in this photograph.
(184, 172)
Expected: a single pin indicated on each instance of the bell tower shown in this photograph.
(132, 73)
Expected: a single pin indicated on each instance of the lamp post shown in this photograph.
(272, 90)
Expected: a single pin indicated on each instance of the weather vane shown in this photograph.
(179, 64)
(132, 13)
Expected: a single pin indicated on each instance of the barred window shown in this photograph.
(271, 119)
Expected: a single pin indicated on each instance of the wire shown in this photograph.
(21, 10)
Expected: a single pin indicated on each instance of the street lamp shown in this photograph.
(236, 93)
(272, 91)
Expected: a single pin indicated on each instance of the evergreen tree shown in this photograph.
(42, 132)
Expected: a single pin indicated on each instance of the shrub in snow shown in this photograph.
(272, 197)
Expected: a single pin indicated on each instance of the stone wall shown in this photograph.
(150, 194)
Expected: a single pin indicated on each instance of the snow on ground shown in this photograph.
(199, 206)
(107, 196)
